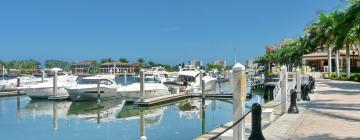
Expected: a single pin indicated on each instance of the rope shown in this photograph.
(227, 129)
(271, 106)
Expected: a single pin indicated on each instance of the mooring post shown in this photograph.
(239, 97)
(293, 109)
(142, 84)
(142, 126)
(125, 77)
(298, 83)
(283, 86)
(42, 76)
(18, 85)
(256, 132)
(98, 90)
(202, 84)
(55, 82)
(231, 81)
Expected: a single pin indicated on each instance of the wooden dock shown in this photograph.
(10, 93)
(161, 99)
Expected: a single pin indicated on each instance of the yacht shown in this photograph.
(86, 88)
(157, 74)
(11, 84)
(132, 91)
(45, 90)
(189, 81)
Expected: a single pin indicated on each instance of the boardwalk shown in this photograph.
(334, 113)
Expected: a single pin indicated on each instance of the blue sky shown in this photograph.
(166, 31)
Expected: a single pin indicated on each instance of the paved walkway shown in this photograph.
(333, 113)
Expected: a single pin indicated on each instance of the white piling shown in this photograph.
(42, 76)
(239, 97)
(125, 77)
(283, 86)
(55, 87)
(142, 84)
(337, 64)
(55, 116)
(298, 83)
(98, 90)
(202, 84)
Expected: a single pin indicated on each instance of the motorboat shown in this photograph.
(45, 90)
(156, 74)
(189, 81)
(87, 88)
(132, 91)
(11, 84)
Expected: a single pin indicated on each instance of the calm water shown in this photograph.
(23, 118)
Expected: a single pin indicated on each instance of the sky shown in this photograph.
(165, 31)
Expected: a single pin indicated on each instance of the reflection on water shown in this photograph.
(110, 119)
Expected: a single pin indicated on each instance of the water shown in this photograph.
(23, 118)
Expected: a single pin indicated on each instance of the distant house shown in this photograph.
(251, 64)
(14, 73)
(81, 68)
(119, 68)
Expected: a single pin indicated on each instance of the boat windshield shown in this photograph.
(185, 78)
(94, 81)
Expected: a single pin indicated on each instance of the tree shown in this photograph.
(123, 60)
(152, 64)
(105, 60)
(141, 61)
(2, 63)
(57, 64)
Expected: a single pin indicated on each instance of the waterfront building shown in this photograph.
(81, 68)
(119, 68)
(13, 73)
(318, 61)
(195, 63)
(220, 62)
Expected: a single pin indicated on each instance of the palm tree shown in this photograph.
(123, 60)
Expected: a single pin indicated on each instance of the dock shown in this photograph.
(10, 93)
(160, 99)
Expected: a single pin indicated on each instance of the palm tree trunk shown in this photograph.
(348, 61)
(329, 60)
(337, 64)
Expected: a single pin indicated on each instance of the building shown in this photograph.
(318, 61)
(119, 68)
(251, 64)
(82, 67)
(195, 63)
(220, 62)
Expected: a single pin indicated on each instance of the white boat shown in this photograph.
(156, 74)
(132, 91)
(189, 79)
(46, 90)
(11, 84)
(86, 89)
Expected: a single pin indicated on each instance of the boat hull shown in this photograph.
(91, 94)
(45, 93)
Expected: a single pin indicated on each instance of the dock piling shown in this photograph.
(298, 84)
(142, 126)
(256, 132)
(42, 76)
(239, 97)
(55, 83)
(98, 90)
(125, 77)
(283, 86)
(142, 84)
(18, 85)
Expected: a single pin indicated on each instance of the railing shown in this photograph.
(277, 92)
